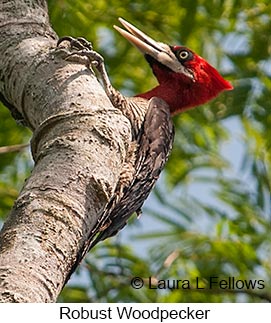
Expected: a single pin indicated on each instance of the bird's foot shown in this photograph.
(81, 51)
(77, 43)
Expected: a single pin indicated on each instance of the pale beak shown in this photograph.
(159, 51)
(137, 38)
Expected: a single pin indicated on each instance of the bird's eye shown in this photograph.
(184, 55)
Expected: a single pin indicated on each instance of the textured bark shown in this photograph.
(79, 145)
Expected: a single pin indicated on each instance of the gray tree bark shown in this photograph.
(79, 145)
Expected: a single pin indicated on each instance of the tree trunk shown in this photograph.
(79, 145)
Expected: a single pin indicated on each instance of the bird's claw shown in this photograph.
(83, 48)
(76, 43)
(81, 51)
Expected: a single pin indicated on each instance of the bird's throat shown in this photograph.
(178, 99)
(181, 96)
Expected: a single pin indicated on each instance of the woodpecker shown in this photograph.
(185, 80)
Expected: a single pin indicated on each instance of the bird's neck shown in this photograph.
(178, 98)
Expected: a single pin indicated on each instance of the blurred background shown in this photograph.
(210, 212)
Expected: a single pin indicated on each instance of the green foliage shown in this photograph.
(210, 213)
(14, 167)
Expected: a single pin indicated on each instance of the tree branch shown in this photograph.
(13, 148)
(79, 145)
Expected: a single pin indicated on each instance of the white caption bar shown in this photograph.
(154, 313)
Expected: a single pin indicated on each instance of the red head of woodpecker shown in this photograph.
(185, 79)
